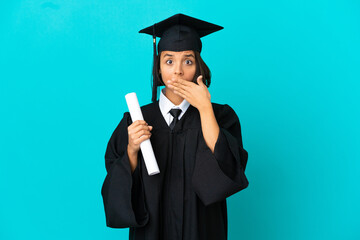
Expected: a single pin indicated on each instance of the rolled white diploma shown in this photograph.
(146, 148)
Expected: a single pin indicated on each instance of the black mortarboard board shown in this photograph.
(178, 33)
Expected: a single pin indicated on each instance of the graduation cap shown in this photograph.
(178, 33)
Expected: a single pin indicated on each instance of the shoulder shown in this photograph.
(225, 115)
(149, 107)
(151, 113)
(145, 109)
(222, 110)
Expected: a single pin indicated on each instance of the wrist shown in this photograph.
(206, 108)
(131, 152)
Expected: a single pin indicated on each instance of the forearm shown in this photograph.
(132, 158)
(209, 126)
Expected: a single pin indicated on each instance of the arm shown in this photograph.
(138, 132)
(122, 190)
(220, 160)
(221, 173)
(209, 126)
(199, 96)
(133, 159)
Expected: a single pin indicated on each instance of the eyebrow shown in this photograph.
(188, 55)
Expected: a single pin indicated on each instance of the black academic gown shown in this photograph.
(187, 200)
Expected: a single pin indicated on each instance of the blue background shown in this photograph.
(290, 69)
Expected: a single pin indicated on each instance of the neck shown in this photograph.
(174, 98)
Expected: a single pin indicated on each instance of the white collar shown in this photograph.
(166, 105)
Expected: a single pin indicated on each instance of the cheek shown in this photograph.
(165, 72)
(191, 72)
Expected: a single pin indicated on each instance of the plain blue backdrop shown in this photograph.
(290, 70)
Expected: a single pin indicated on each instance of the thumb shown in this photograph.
(200, 80)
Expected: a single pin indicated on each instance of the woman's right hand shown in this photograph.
(138, 132)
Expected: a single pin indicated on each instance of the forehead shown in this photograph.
(178, 54)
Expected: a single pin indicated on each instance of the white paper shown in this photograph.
(146, 147)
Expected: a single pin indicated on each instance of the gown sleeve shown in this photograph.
(122, 191)
(220, 174)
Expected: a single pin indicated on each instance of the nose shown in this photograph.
(178, 69)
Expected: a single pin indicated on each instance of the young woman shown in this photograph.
(197, 144)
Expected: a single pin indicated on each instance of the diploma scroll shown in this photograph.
(146, 147)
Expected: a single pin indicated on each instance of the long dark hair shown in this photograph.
(201, 69)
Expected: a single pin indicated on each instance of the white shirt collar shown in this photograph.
(166, 105)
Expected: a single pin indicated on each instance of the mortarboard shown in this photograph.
(178, 33)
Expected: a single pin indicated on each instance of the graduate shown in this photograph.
(197, 145)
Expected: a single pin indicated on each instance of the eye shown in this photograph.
(188, 62)
(169, 61)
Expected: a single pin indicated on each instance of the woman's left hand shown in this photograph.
(197, 95)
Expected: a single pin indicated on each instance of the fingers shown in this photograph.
(200, 80)
(137, 123)
(138, 128)
(142, 138)
(182, 93)
(138, 132)
(179, 88)
(181, 83)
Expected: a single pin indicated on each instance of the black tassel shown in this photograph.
(154, 82)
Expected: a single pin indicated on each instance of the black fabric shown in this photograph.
(175, 113)
(187, 199)
(180, 32)
(180, 38)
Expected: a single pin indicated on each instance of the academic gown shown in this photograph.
(187, 199)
